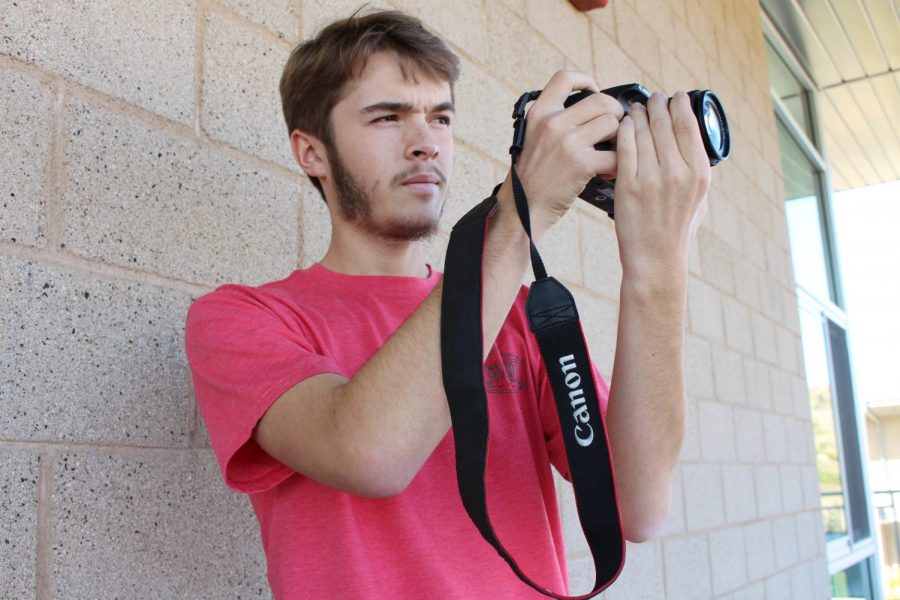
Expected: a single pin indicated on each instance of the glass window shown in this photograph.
(815, 355)
(844, 401)
(804, 217)
(853, 583)
(790, 90)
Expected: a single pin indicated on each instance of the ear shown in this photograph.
(309, 152)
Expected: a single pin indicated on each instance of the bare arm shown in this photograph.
(370, 435)
(661, 191)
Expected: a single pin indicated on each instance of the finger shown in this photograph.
(558, 89)
(603, 163)
(593, 106)
(647, 160)
(661, 127)
(626, 150)
(687, 131)
(599, 129)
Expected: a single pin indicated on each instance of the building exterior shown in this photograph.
(833, 79)
(145, 162)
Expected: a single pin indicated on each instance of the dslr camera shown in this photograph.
(706, 108)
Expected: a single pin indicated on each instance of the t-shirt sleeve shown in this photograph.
(550, 418)
(243, 356)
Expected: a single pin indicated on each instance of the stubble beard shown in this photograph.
(354, 204)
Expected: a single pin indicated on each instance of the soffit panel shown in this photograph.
(861, 127)
(850, 50)
(887, 27)
(827, 27)
(855, 20)
(880, 116)
(833, 121)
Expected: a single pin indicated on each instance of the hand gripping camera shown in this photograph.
(706, 108)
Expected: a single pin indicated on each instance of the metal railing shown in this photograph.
(886, 506)
(834, 516)
(887, 516)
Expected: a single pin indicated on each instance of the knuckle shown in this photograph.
(610, 122)
(676, 178)
(553, 124)
(704, 178)
(683, 124)
(569, 146)
(657, 121)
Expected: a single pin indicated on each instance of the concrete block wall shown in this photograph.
(144, 162)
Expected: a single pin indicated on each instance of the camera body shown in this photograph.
(706, 108)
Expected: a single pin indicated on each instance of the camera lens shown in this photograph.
(713, 125)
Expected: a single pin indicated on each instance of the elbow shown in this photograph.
(374, 490)
(641, 523)
(372, 475)
(638, 532)
(378, 488)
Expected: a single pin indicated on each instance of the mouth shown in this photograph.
(425, 184)
(421, 180)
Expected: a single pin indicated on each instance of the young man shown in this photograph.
(322, 392)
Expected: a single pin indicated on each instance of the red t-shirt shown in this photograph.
(248, 345)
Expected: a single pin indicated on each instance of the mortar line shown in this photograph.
(299, 21)
(181, 130)
(54, 211)
(194, 430)
(239, 19)
(199, 43)
(594, 70)
(44, 528)
(301, 222)
(113, 273)
(58, 447)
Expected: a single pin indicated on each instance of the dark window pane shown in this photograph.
(850, 448)
(825, 434)
(789, 89)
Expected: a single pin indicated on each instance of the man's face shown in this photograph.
(392, 154)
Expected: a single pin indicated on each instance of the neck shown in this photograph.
(353, 252)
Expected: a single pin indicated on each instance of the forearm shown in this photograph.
(646, 410)
(393, 412)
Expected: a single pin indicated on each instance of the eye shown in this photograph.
(443, 119)
(386, 118)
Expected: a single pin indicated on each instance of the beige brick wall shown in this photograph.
(144, 162)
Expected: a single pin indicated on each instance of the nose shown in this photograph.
(421, 144)
(425, 151)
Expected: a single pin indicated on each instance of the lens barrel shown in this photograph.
(713, 125)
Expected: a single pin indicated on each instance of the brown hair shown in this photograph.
(318, 70)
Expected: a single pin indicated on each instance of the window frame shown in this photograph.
(817, 154)
(844, 552)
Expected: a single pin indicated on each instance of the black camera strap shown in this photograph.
(553, 319)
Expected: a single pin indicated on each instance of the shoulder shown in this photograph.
(232, 308)
(233, 298)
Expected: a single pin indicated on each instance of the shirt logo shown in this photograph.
(504, 374)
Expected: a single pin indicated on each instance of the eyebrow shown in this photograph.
(404, 107)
